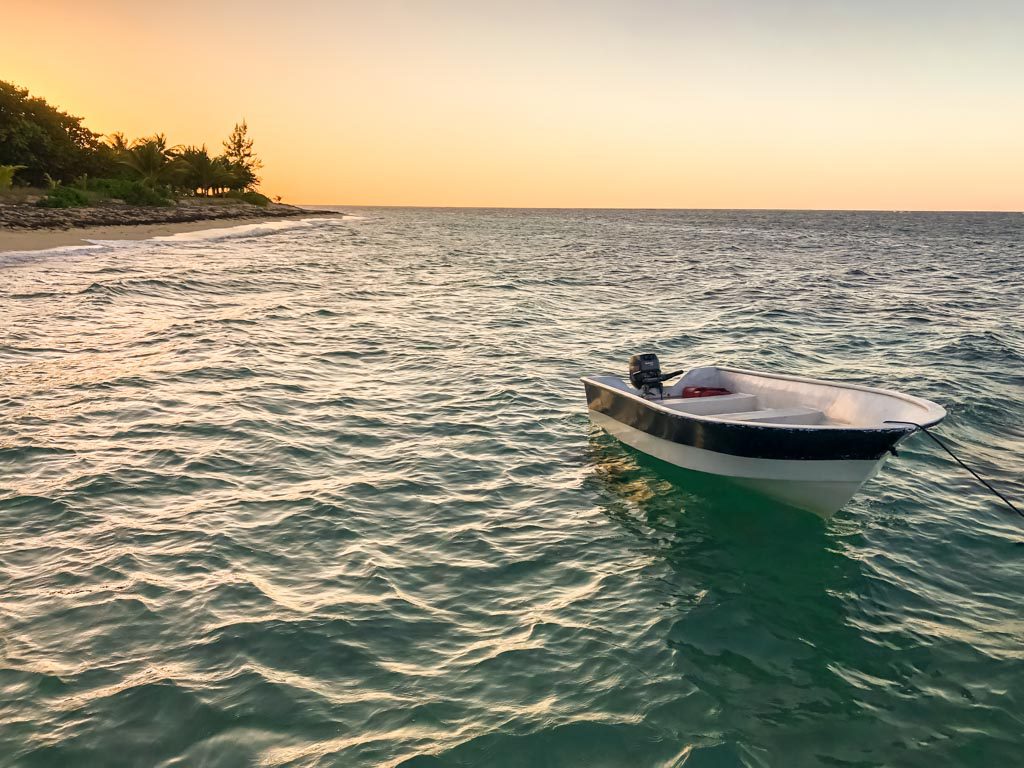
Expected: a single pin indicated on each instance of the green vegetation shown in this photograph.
(64, 197)
(7, 175)
(250, 196)
(42, 146)
(239, 156)
(129, 191)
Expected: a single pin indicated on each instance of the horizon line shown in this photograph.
(1019, 211)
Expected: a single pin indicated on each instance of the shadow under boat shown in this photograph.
(663, 487)
(759, 601)
(808, 443)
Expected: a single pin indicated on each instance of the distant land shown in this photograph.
(56, 174)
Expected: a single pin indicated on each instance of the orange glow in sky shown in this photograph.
(654, 103)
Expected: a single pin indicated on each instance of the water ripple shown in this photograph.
(327, 495)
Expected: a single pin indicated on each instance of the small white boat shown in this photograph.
(808, 443)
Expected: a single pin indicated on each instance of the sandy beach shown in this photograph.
(41, 239)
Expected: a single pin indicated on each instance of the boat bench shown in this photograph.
(709, 406)
(742, 407)
(795, 415)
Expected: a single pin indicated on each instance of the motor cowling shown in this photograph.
(645, 371)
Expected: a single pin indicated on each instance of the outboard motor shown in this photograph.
(645, 373)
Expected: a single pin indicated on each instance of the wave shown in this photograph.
(242, 230)
(214, 233)
(331, 497)
(11, 258)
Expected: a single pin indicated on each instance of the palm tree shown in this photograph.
(118, 142)
(229, 175)
(204, 175)
(152, 161)
(7, 175)
(200, 175)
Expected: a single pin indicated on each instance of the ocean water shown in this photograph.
(326, 494)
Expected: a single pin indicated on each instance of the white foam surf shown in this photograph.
(258, 229)
(244, 230)
(8, 258)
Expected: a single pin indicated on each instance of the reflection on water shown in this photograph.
(768, 616)
(328, 495)
(724, 544)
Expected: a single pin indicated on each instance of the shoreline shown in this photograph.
(29, 240)
(27, 228)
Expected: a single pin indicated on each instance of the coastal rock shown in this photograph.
(27, 217)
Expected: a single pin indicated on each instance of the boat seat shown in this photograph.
(708, 406)
(795, 415)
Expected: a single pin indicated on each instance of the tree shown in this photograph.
(7, 175)
(204, 174)
(47, 146)
(107, 160)
(200, 171)
(231, 176)
(239, 154)
(43, 138)
(118, 142)
(152, 161)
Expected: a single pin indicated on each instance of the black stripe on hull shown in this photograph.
(751, 441)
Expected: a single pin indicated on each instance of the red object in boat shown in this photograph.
(704, 391)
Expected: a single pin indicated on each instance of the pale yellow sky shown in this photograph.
(659, 103)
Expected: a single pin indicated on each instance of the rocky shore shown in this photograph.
(27, 217)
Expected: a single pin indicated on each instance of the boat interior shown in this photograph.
(741, 406)
(773, 399)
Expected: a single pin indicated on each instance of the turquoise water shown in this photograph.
(327, 495)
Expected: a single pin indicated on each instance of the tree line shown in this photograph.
(42, 146)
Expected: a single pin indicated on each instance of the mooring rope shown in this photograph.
(944, 447)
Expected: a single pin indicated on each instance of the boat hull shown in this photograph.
(744, 440)
(820, 486)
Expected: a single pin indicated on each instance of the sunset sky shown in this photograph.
(670, 104)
